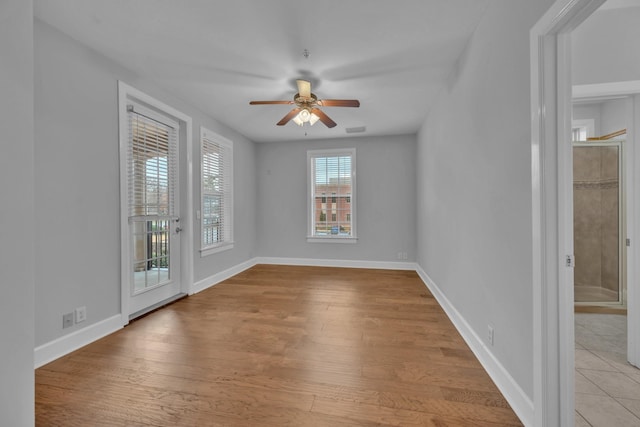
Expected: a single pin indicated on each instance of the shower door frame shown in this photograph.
(622, 207)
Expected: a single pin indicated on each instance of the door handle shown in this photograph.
(178, 229)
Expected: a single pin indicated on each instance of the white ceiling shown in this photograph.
(617, 4)
(394, 56)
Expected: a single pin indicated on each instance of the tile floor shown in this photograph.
(607, 387)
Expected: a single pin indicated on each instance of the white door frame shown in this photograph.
(552, 211)
(126, 92)
(631, 168)
(633, 231)
(551, 95)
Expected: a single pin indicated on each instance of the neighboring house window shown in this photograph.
(332, 172)
(217, 192)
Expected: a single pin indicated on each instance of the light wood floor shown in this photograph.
(280, 346)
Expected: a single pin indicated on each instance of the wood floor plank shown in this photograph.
(280, 346)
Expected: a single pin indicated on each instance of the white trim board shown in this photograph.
(64, 345)
(517, 398)
(313, 262)
(610, 89)
(214, 279)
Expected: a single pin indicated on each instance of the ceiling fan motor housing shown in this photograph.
(306, 101)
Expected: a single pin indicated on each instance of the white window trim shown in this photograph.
(219, 247)
(332, 239)
(226, 245)
(310, 202)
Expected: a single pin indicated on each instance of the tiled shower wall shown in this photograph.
(596, 220)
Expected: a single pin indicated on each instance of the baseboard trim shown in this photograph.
(213, 280)
(64, 345)
(314, 262)
(521, 404)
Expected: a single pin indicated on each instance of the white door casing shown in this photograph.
(133, 301)
(552, 210)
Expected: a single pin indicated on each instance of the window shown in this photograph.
(332, 172)
(152, 169)
(582, 129)
(217, 192)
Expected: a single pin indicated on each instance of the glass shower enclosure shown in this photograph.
(598, 223)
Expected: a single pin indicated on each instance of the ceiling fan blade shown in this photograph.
(339, 103)
(290, 115)
(304, 88)
(269, 102)
(323, 117)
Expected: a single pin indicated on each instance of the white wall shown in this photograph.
(589, 111)
(615, 114)
(16, 213)
(593, 59)
(609, 115)
(474, 187)
(77, 183)
(385, 211)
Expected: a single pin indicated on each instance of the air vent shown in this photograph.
(356, 129)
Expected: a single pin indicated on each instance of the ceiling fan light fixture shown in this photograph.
(305, 116)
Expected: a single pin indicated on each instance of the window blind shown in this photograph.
(332, 191)
(152, 166)
(217, 189)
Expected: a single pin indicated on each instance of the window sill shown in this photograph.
(215, 249)
(329, 239)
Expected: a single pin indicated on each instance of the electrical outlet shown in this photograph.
(399, 255)
(405, 255)
(81, 314)
(490, 335)
(67, 320)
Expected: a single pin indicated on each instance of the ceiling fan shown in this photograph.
(307, 104)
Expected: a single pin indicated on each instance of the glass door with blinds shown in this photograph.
(153, 208)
